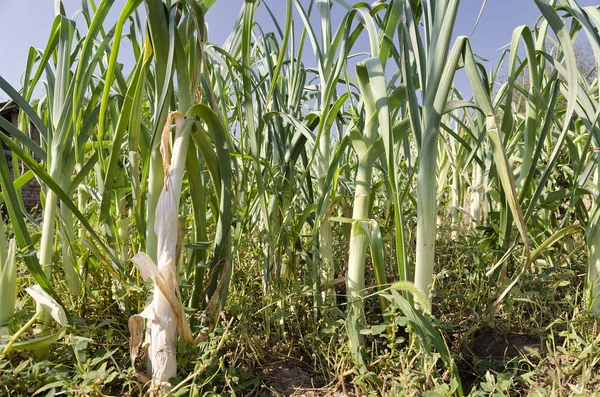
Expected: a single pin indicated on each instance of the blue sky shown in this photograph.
(25, 23)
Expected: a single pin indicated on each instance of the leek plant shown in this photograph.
(439, 22)
(200, 147)
(372, 85)
(366, 140)
(8, 281)
(65, 126)
(435, 68)
(584, 96)
(59, 148)
(165, 315)
(327, 105)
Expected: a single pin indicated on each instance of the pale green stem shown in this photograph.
(123, 216)
(49, 223)
(67, 236)
(327, 268)
(21, 331)
(124, 236)
(477, 194)
(82, 200)
(155, 186)
(359, 242)
(8, 281)
(593, 273)
(68, 257)
(426, 214)
(455, 203)
(3, 245)
(530, 136)
(49, 229)
(328, 264)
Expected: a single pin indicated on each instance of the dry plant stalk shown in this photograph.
(165, 315)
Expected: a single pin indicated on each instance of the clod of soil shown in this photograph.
(289, 378)
(491, 344)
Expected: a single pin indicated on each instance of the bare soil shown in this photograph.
(491, 344)
(293, 378)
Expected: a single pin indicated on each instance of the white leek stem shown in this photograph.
(426, 214)
(359, 242)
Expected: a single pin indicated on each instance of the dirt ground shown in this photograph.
(289, 378)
